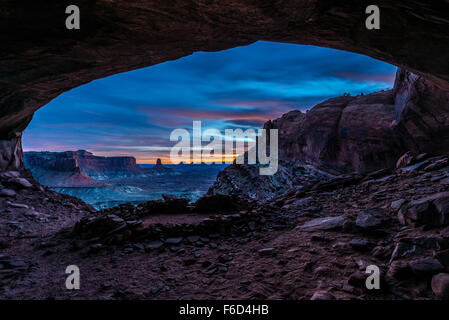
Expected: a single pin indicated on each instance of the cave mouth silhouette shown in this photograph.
(49, 60)
(241, 87)
(132, 114)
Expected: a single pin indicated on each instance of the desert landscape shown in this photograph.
(363, 179)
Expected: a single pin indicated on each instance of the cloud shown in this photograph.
(133, 113)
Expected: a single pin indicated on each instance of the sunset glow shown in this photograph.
(133, 113)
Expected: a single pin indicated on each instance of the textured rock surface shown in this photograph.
(246, 180)
(346, 134)
(343, 134)
(431, 211)
(421, 114)
(259, 252)
(440, 285)
(11, 155)
(371, 132)
(41, 59)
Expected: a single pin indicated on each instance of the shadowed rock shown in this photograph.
(48, 59)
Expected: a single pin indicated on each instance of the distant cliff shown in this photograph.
(103, 168)
(78, 168)
(348, 134)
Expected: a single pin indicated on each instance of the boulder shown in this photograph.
(440, 286)
(327, 223)
(31, 214)
(396, 205)
(370, 219)
(245, 180)
(266, 252)
(7, 193)
(154, 245)
(322, 295)
(432, 211)
(438, 164)
(170, 205)
(220, 203)
(414, 246)
(21, 183)
(399, 270)
(176, 240)
(9, 174)
(405, 160)
(425, 267)
(17, 205)
(358, 279)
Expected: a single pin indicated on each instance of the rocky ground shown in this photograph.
(310, 244)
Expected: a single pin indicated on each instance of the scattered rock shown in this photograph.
(267, 252)
(252, 225)
(443, 257)
(177, 240)
(382, 253)
(106, 286)
(327, 223)
(189, 261)
(7, 193)
(432, 211)
(31, 214)
(361, 245)
(225, 258)
(405, 160)
(426, 266)
(193, 239)
(414, 246)
(437, 165)
(399, 270)
(396, 205)
(350, 227)
(369, 219)
(96, 247)
(154, 245)
(18, 205)
(9, 174)
(440, 286)
(21, 183)
(220, 203)
(358, 279)
(170, 205)
(322, 295)
(12, 263)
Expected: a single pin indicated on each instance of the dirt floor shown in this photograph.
(282, 258)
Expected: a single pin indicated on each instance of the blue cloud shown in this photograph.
(133, 113)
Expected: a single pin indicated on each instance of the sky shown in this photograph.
(133, 113)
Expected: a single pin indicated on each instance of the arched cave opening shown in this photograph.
(100, 142)
(386, 203)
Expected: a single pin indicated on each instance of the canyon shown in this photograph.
(347, 134)
(109, 181)
(117, 38)
(81, 165)
(323, 219)
(372, 171)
